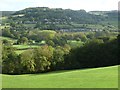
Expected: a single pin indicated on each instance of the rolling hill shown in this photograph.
(60, 18)
(105, 77)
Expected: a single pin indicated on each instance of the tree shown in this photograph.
(10, 61)
(59, 40)
(58, 58)
(93, 54)
(22, 40)
(83, 37)
(90, 35)
(6, 42)
(27, 62)
(7, 33)
(50, 42)
(43, 57)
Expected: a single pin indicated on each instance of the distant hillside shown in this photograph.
(56, 15)
(47, 15)
(108, 14)
(45, 18)
(7, 13)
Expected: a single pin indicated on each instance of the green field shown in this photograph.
(25, 46)
(7, 38)
(74, 43)
(22, 48)
(20, 51)
(106, 77)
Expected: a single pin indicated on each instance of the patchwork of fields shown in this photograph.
(106, 77)
(42, 39)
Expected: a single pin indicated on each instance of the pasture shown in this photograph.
(20, 51)
(7, 38)
(105, 77)
(74, 43)
(22, 47)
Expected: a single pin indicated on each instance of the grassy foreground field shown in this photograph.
(106, 77)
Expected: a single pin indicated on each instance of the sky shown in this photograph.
(88, 5)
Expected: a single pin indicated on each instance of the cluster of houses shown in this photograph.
(80, 30)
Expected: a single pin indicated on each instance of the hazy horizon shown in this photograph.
(62, 8)
(88, 5)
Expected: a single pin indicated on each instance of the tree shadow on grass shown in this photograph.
(65, 71)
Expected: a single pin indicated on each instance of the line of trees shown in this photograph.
(42, 59)
(94, 53)
(52, 38)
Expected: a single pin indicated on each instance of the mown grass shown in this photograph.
(20, 51)
(7, 38)
(74, 43)
(106, 77)
(25, 46)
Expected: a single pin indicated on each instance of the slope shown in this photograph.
(106, 77)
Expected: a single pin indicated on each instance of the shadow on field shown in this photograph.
(64, 71)
(55, 72)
